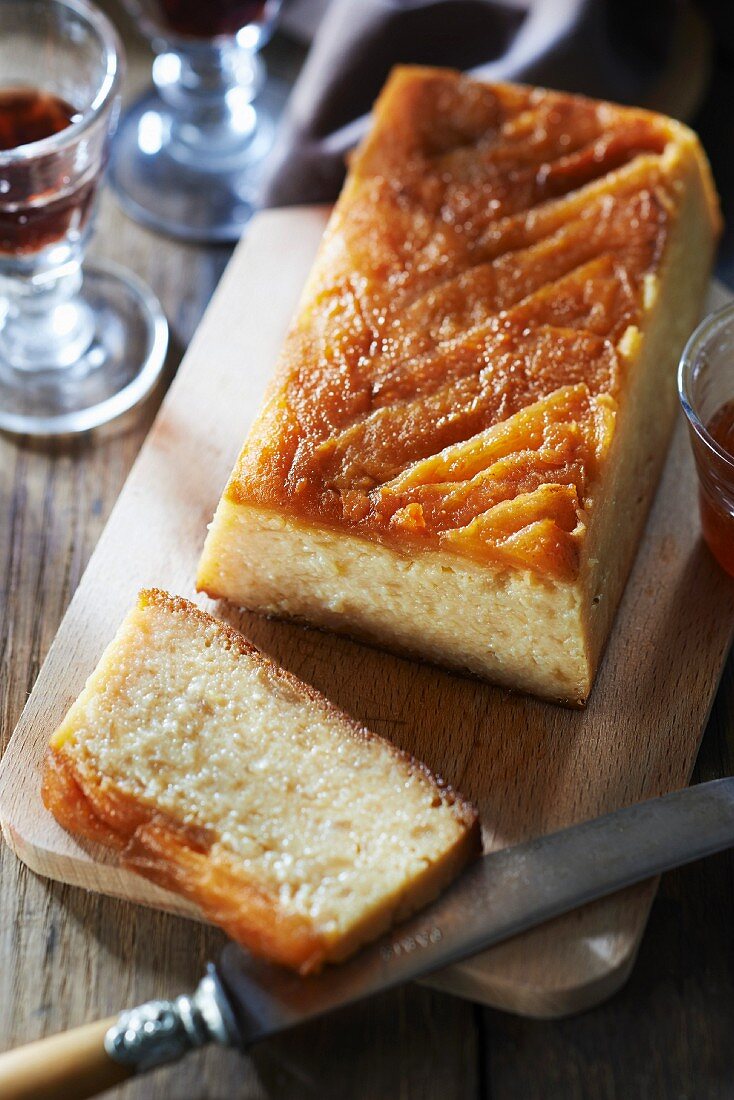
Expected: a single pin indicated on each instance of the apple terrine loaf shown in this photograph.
(225, 779)
(459, 448)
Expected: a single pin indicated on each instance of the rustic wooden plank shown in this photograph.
(532, 767)
(356, 1055)
(68, 956)
(668, 1032)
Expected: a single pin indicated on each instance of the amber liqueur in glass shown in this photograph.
(28, 115)
(717, 489)
(199, 19)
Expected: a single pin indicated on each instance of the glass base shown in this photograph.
(178, 189)
(118, 368)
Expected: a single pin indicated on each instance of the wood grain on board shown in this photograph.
(531, 767)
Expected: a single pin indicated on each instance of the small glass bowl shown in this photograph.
(706, 387)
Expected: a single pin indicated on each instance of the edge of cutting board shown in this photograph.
(153, 538)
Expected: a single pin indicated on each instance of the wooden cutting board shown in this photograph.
(530, 766)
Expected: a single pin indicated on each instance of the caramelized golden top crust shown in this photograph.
(452, 376)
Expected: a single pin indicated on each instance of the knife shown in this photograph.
(242, 1000)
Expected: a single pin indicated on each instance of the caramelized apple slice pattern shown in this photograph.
(508, 373)
(474, 288)
(531, 470)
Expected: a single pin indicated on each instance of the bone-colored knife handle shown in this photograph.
(71, 1066)
(81, 1063)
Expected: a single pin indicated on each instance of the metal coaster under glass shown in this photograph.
(124, 346)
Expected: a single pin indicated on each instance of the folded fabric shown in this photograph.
(609, 48)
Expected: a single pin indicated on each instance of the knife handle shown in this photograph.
(80, 1063)
(71, 1066)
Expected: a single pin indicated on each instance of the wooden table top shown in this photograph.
(67, 957)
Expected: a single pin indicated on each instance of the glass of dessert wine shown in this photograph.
(79, 345)
(187, 156)
(706, 388)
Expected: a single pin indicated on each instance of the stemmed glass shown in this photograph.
(188, 155)
(78, 345)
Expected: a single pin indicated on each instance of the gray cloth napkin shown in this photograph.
(609, 48)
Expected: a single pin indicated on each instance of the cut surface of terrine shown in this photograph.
(225, 779)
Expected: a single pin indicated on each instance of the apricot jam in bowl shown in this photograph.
(706, 388)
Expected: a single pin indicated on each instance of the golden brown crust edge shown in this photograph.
(177, 858)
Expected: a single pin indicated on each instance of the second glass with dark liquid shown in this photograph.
(189, 154)
(208, 20)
